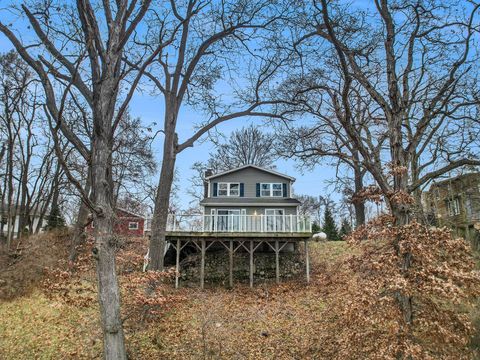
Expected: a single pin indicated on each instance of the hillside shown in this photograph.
(57, 317)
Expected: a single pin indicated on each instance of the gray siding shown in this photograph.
(250, 177)
(250, 210)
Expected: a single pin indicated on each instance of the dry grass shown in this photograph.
(22, 266)
(287, 321)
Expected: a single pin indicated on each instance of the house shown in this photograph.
(245, 210)
(455, 202)
(35, 222)
(250, 198)
(127, 223)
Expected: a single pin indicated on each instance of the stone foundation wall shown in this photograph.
(217, 266)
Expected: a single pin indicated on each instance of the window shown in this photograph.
(133, 225)
(453, 206)
(274, 219)
(277, 190)
(271, 189)
(228, 189)
(234, 190)
(222, 189)
(265, 190)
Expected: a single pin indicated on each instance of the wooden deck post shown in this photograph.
(251, 263)
(307, 261)
(177, 263)
(277, 262)
(230, 274)
(202, 265)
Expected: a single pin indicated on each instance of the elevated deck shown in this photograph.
(234, 233)
(237, 225)
(214, 236)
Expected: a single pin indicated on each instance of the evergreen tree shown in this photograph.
(55, 219)
(315, 227)
(345, 229)
(329, 226)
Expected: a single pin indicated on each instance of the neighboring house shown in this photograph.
(455, 202)
(126, 223)
(37, 220)
(250, 198)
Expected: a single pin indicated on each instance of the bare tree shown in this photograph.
(77, 51)
(324, 139)
(418, 62)
(246, 146)
(212, 44)
(28, 179)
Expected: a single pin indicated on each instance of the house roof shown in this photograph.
(129, 213)
(242, 201)
(251, 166)
(455, 178)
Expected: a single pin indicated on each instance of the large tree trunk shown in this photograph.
(359, 204)
(400, 211)
(162, 203)
(104, 250)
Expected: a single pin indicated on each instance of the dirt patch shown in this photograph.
(23, 266)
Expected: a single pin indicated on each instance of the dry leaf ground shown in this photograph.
(58, 319)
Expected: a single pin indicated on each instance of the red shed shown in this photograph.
(127, 223)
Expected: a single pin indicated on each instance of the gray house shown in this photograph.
(245, 210)
(252, 199)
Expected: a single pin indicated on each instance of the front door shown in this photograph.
(274, 219)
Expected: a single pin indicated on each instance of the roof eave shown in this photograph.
(253, 166)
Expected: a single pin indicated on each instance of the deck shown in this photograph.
(237, 225)
(213, 236)
(234, 233)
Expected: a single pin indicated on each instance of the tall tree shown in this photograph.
(418, 63)
(76, 51)
(195, 69)
(329, 226)
(30, 173)
(246, 146)
(345, 228)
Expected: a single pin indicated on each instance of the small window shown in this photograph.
(277, 190)
(265, 190)
(271, 189)
(234, 190)
(222, 189)
(453, 206)
(228, 189)
(93, 225)
(133, 225)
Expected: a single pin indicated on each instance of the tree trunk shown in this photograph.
(104, 250)
(359, 204)
(400, 210)
(79, 235)
(162, 203)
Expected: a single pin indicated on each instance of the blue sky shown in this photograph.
(311, 183)
(150, 110)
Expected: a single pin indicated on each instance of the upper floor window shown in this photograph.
(271, 189)
(453, 207)
(228, 189)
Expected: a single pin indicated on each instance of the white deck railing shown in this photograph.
(237, 223)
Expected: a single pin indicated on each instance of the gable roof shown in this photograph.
(251, 166)
(130, 213)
